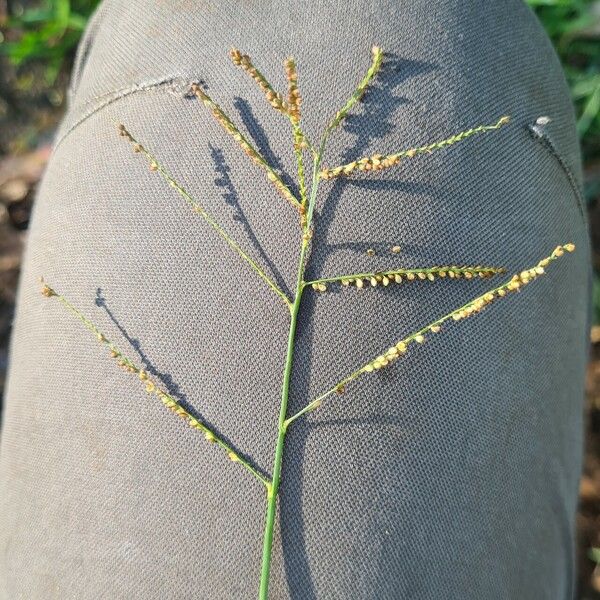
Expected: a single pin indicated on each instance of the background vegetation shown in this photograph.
(574, 27)
(37, 43)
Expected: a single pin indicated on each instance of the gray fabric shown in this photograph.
(452, 474)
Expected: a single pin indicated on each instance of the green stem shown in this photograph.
(274, 487)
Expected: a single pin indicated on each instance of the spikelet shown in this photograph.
(47, 291)
(294, 98)
(245, 145)
(378, 162)
(274, 98)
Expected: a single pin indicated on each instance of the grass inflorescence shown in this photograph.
(152, 386)
(289, 105)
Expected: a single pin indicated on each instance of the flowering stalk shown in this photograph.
(294, 101)
(153, 388)
(384, 278)
(275, 99)
(245, 145)
(290, 109)
(472, 307)
(306, 208)
(377, 58)
(155, 166)
(377, 162)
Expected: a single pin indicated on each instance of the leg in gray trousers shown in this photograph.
(451, 474)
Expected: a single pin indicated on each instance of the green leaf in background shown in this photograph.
(47, 33)
(574, 27)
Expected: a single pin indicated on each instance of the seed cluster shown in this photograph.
(404, 275)
(47, 291)
(274, 98)
(470, 309)
(291, 109)
(294, 98)
(151, 386)
(377, 57)
(377, 162)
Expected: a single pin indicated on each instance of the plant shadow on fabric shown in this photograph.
(371, 124)
(163, 378)
(313, 227)
(232, 199)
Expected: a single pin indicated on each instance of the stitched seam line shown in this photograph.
(173, 83)
(542, 136)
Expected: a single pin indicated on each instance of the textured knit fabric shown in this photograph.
(452, 473)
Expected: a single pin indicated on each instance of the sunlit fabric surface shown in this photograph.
(452, 474)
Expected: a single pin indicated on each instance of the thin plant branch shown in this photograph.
(275, 99)
(378, 162)
(299, 145)
(293, 112)
(246, 146)
(153, 388)
(516, 283)
(155, 166)
(384, 278)
(377, 58)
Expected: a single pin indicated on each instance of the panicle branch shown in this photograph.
(153, 388)
(274, 98)
(475, 306)
(300, 143)
(377, 162)
(377, 57)
(155, 166)
(384, 278)
(318, 154)
(246, 146)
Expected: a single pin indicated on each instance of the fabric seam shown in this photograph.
(540, 134)
(177, 84)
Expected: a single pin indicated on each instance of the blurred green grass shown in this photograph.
(46, 32)
(574, 28)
